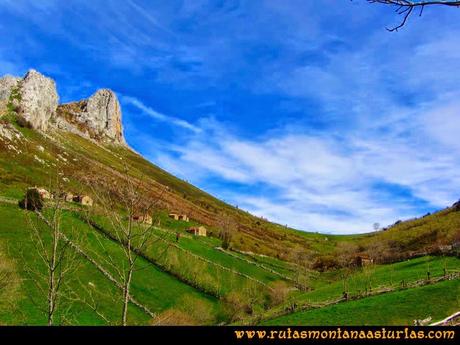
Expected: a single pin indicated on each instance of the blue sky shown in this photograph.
(308, 113)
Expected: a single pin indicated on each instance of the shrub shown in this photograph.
(324, 263)
(235, 306)
(226, 239)
(22, 122)
(279, 293)
(190, 311)
(32, 201)
(198, 310)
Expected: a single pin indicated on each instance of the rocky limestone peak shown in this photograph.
(103, 107)
(38, 99)
(98, 117)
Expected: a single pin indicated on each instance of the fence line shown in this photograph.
(177, 275)
(256, 264)
(198, 257)
(292, 308)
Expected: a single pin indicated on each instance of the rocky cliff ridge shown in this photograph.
(34, 98)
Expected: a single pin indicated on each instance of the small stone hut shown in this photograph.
(197, 231)
(83, 199)
(66, 196)
(184, 217)
(362, 260)
(178, 216)
(143, 219)
(174, 216)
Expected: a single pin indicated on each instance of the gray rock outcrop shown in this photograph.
(39, 99)
(98, 117)
(104, 109)
(35, 99)
(7, 84)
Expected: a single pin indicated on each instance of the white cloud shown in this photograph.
(328, 183)
(157, 115)
(443, 124)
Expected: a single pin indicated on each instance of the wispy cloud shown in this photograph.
(127, 100)
(340, 183)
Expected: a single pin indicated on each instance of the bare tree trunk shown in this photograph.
(53, 279)
(129, 275)
(126, 297)
(51, 285)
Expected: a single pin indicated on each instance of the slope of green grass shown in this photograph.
(331, 285)
(397, 308)
(18, 171)
(206, 248)
(219, 272)
(359, 283)
(152, 287)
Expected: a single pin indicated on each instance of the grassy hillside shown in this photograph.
(266, 269)
(328, 288)
(398, 308)
(154, 288)
(34, 159)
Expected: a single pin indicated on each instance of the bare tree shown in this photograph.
(127, 214)
(92, 299)
(368, 271)
(228, 227)
(54, 253)
(406, 8)
(302, 260)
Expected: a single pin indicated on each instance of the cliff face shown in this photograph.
(35, 98)
(38, 99)
(98, 117)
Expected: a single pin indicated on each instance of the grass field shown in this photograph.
(67, 154)
(398, 308)
(332, 284)
(362, 283)
(154, 288)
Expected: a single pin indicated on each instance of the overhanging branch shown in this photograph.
(406, 8)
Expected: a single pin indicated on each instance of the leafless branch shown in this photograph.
(125, 209)
(405, 8)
